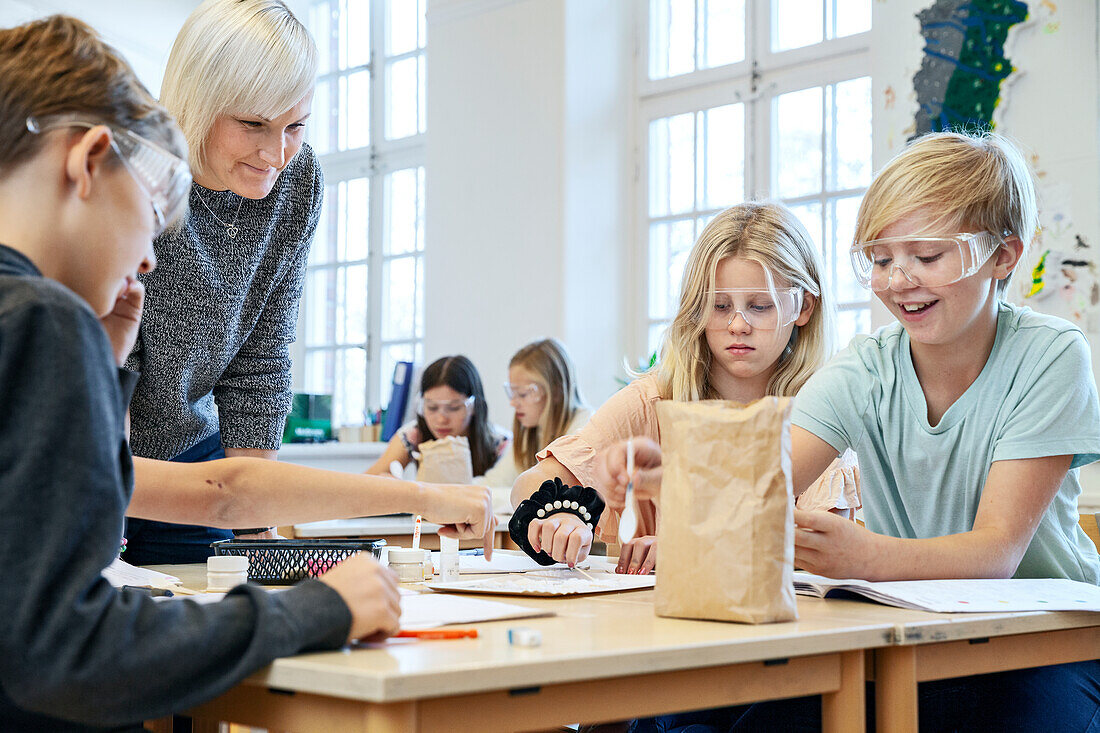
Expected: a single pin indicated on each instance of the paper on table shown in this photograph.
(548, 583)
(504, 561)
(120, 573)
(964, 596)
(427, 610)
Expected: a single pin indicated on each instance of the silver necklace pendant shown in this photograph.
(231, 230)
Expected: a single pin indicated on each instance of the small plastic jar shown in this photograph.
(225, 572)
(409, 564)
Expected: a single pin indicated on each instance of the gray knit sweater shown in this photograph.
(220, 315)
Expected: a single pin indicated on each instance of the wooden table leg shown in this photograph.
(845, 709)
(896, 689)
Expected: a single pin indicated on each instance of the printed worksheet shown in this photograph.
(548, 583)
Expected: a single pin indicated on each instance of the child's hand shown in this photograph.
(466, 512)
(638, 557)
(647, 472)
(122, 323)
(370, 591)
(831, 545)
(563, 536)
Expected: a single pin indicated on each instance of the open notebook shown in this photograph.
(958, 596)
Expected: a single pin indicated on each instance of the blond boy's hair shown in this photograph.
(773, 237)
(967, 181)
(556, 376)
(237, 57)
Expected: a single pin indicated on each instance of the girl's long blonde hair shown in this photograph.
(556, 376)
(772, 236)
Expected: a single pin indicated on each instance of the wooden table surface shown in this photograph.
(608, 657)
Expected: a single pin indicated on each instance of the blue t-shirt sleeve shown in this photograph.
(1057, 412)
(831, 404)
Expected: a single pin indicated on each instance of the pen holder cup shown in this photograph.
(285, 562)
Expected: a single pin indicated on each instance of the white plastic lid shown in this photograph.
(405, 555)
(227, 563)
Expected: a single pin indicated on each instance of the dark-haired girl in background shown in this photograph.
(451, 402)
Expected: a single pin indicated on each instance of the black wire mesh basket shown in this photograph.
(285, 562)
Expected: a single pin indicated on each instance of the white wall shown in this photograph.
(143, 31)
(526, 156)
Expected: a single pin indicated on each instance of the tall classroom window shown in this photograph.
(363, 304)
(767, 99)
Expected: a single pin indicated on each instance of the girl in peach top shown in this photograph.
(753, 320)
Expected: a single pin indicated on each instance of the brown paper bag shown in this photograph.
(445, 461)
(727, 521)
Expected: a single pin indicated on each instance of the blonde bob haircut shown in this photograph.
(556, 376)
(966, 181)
(773, 237)
(236, 57)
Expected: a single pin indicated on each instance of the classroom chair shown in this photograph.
(1091, 524)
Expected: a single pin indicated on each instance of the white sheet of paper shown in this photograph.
(427, 610)
(504, 561)
(120, 573)
(971, 596)
(548, 583)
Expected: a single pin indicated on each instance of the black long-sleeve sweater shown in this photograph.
(74, 651)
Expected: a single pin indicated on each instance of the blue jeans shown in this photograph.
(157, 543)
(1063, 697)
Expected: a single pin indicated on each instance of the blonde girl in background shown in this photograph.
(543, 390)
(753, 320)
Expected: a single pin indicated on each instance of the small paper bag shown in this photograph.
(445, 461)
(727, 521)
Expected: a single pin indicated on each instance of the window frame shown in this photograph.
(756, 81)
(373, 162)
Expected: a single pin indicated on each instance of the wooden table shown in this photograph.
(608, 657)
(396, 529)
(603, 658)
(934, 646)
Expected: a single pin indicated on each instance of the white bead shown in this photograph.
(587, 516)
(573, 504)
(590, 525)
(583, 510)
(557, 504)
(548, 506)
(541, 512)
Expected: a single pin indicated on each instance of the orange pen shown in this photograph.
(436, 634)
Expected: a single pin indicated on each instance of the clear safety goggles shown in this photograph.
(767, 310)
(450, 408)
(164, 177)
(522, 392)
(929, 262)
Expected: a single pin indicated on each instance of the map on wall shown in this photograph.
(964, 63)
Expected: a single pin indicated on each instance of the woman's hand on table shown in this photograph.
(647, 472)
(638, 557)
(370, 591)
(563, 536)
(465, 512)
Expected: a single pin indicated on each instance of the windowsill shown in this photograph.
(298, 451)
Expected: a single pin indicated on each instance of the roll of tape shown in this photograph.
(524, 636)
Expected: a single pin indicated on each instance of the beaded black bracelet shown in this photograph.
(553, 497)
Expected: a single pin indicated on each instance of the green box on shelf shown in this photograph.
(310, 419)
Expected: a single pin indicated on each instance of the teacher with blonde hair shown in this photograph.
(221, 306)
